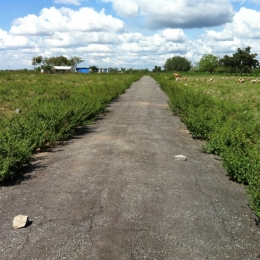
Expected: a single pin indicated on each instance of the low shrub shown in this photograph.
(230, 128)
(51, 106)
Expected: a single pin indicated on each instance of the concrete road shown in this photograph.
(117, 192)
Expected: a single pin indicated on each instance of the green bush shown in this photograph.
(230, 128)
(52, 107)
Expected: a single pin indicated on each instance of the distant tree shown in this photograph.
(74, 61)
(241, 61)
(157, 69)
(37, 60)
(177, 63)
(195, 67)
(93, 68)
(123, 70)
(227, 63)
(113, 70)
(244, 61)
(143, 70)
(209, 63)
(56, 61)
(130, 70)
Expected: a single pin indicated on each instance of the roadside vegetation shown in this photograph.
(39, 109)
(224, 111)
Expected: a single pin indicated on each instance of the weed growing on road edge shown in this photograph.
(224, 116)
(52, 106)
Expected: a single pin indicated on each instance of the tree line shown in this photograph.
(46, 64)
(243, 61)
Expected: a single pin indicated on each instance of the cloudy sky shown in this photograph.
(125, 33)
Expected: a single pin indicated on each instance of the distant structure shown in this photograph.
(103, 70)
(62, 69)
(88, 70)
(83, 70)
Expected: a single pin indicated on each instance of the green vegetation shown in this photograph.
(47, 63)
(243, 61)
(177, 63)
(36, 109)
(208, 63)
(226, 114)
(157, 69)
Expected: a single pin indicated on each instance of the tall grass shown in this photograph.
(225, 114)
(51, 106)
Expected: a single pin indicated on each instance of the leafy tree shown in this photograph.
(241, 61)
(94, 68)
(113, 70)
(157, 69)
(143, 70)
(56, 61)
(227, 63)
(177, 63)
(208, 62)
(74, 61)
(244, 61)
(37, 60)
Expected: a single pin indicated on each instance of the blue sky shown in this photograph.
(125, 33)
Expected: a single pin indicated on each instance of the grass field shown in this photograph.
(40, 109)
(240, 90)
(226, 114)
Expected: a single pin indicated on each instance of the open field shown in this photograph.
(39, 109)
(225, 113)
(244, 90)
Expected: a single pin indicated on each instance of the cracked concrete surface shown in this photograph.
(117, 192)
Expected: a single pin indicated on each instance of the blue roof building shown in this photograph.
(83, 70)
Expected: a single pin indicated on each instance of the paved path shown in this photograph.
(118, 193)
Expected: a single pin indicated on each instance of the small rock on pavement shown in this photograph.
(180, 157)
(20, 221)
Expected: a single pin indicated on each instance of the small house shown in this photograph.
(102, 70)
(62, 69)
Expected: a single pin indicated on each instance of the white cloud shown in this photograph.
(180, 13)
(97, 48)
(67, 2)
(126, 8)
(8, 41)
(246, 24)
(243, 1)
(102, 40)
(243, 31)
(131, 37)
(63, 20)
(77, 38)
(175, 35)
(225, 35)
